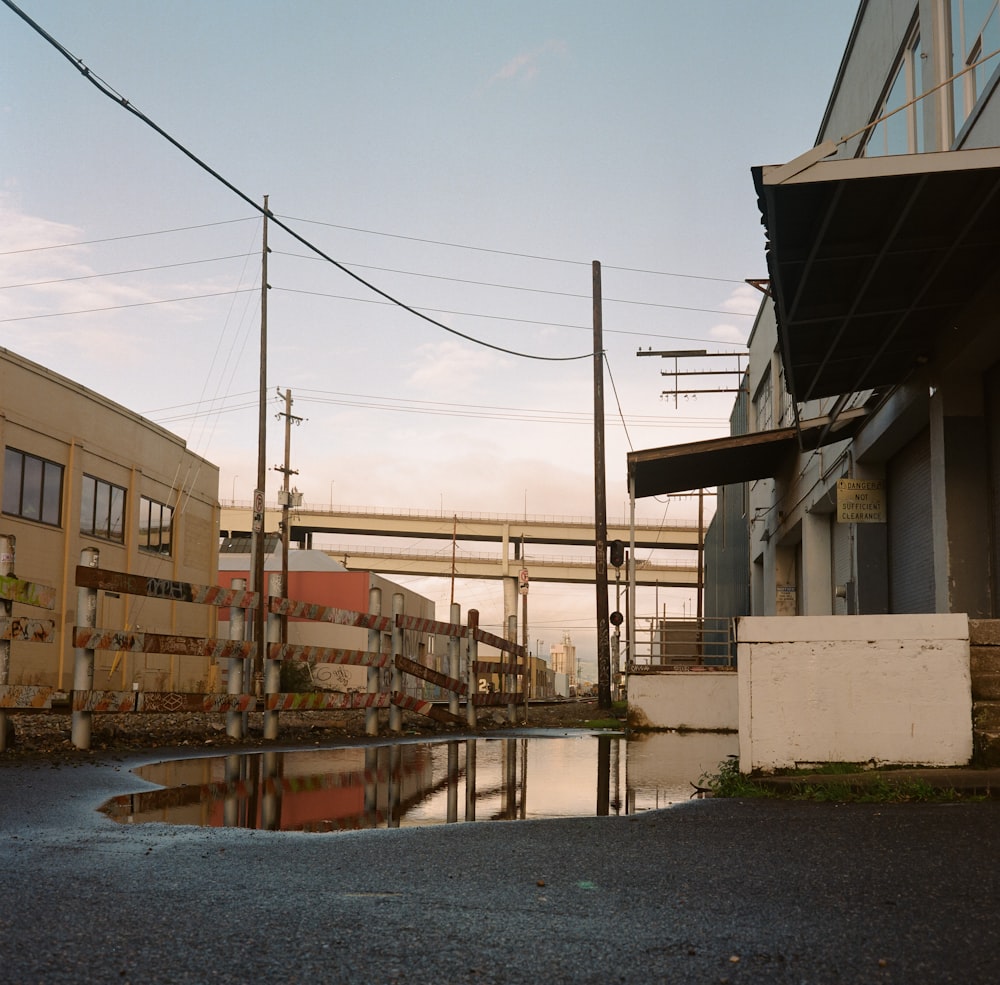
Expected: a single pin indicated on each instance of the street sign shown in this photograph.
(522, 581)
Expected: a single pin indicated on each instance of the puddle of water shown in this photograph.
(405, 784)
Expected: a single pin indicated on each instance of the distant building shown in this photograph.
(562, 660)
(81, 471)
(315, 577)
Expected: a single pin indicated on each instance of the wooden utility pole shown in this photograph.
(257, 538)
(600, 503)
(286, 502)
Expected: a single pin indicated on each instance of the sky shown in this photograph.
(470, 160)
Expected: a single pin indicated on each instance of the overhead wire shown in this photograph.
(110, 92)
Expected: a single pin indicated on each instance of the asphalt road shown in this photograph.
(713, 891)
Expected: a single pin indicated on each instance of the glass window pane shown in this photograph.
(31, 488)
(12, 462)
(117, 521)
(87, 499)
(102, 510)
(52, 492)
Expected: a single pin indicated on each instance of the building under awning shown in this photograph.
(738, 458)
(871, 259)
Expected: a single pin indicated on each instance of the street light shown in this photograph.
(332, 481)
(235, 477)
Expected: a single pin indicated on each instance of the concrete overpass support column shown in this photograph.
(817, 566)
(509, 598)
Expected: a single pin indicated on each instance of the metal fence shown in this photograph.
(681, 644)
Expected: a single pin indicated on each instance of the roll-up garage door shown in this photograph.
(908, 508)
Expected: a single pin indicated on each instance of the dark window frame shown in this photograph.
(156, 526)
(39, 505)
(103, 493)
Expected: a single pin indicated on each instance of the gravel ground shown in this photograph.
(47, 735)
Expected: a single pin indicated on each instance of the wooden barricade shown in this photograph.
(85, 700)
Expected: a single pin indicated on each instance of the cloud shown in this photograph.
(527, 65)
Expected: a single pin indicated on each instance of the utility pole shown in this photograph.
(257, 538)
(600, 502)
(288, 498)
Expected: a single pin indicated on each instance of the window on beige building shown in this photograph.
(32, 487)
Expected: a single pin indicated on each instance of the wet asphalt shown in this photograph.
(711, 891)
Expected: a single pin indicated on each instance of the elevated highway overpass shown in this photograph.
(305, 523)
(518, 540)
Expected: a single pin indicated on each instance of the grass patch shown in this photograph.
(730, 782)
(858, 786)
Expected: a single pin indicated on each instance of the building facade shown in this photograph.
(81, 472)
(871, 459)
(883, 250)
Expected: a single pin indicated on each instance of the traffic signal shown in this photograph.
(617, 553)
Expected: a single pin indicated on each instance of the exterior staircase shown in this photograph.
(984, 641)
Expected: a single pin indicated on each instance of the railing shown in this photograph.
(430, 513)
(682, 644)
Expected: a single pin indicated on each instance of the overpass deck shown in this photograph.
(305, 523)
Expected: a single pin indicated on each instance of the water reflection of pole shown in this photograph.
(524, 777)
(603, 775)
(371, 788)
(616, 747)
(231, 806)
(270, 812)
(452, 781)
(253, 781)
(470, 779)
(395, 781)
(509, 783)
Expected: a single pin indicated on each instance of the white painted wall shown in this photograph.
(892, 689)
(703, 700)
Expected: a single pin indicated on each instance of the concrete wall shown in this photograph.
(888, 689)
(703, 700)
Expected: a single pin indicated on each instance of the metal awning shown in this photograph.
(871, 259)
(740, 458)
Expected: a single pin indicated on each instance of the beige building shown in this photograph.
(80, 471)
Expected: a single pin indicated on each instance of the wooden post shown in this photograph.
(454, 656)
(272, 668)
(374, 646)
(600, 504)
(395, 712)
(6, 609)
(470, 708)
(83, 661)
(235, 720)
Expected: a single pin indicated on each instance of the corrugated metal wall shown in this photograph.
(908, 501)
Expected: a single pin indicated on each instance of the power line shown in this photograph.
(530, 290)
(115, 239)
(431, 407)
(510, 253)
(121, 273)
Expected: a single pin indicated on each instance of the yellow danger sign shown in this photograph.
(860, 501)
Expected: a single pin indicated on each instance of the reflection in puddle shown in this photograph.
(404, 784)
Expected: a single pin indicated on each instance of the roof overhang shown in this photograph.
(870, 259)
(740, 458)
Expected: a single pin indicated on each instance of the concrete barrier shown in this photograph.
(892, 689)
(701, 700)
